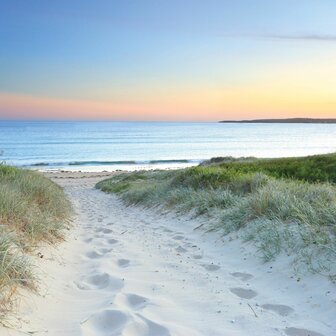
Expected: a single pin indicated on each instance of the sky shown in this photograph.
(176, 60)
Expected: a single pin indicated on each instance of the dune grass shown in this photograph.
(315, 168)
(32, 209)
(279, 211)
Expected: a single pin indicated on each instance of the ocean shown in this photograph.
(99, 146)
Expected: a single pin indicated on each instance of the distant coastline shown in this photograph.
(285, 121)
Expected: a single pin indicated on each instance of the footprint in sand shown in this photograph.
(242, 276)
(112, 241)
(107, 322)
(132, 301)
(136, 301)
(244, 293)
(281, 310)
(94, 255)
(301, 332)
(100, 281)
(180, 249)
(107, 231)
(145, 327)
(105, 250)
(123, 262)
(211, 267)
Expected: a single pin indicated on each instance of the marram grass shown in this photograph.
(32, 209)
(276, 210)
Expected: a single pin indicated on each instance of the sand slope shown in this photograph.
(134, 272)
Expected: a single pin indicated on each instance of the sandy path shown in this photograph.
(132, 272)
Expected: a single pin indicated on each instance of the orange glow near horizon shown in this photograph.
(281, 93)
(250, 103)
(212, 105)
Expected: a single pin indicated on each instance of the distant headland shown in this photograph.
(286, 121)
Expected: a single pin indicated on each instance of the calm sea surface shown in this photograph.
(95, 146)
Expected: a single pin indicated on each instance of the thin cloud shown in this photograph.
(298, 37)
(308, 37)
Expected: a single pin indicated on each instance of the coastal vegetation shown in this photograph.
(283, 206)
(316, 168)
(32, 209)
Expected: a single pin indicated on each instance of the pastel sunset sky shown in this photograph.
(189, 60)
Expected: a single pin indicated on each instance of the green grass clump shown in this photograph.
(316, 168)
(276, 204)
(217, 177)
(32, 209)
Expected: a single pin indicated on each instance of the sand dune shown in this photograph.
(135, 272)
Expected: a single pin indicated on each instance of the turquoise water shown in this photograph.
(95, 146)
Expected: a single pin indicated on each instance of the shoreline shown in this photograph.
(164, 165)
(113, 168)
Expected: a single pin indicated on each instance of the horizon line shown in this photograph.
(156, 121)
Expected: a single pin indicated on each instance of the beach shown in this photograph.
(168, 168)
(129, 270)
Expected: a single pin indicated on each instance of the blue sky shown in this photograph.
(132, 55)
